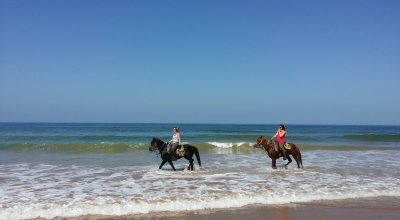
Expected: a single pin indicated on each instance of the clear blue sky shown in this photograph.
(293, 62)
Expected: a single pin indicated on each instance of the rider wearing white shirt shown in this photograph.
(174, 142)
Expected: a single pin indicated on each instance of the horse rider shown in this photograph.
(280, 138)
(174, 142)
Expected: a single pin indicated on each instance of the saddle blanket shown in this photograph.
(180, 151)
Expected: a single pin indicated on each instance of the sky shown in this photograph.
(223, 61)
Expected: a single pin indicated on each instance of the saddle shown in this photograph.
(286, 146)
(179, 152)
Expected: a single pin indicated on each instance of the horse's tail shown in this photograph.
(299, 157)
(196, 152)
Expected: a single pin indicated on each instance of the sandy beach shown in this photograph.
(386, 208)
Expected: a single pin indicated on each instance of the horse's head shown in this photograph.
(258, 141)
(261, 141)
(153, 145)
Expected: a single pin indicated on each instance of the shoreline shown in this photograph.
(384, 208)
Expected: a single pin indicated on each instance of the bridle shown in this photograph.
(154, 146)
(261, 141)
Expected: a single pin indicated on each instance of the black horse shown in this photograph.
(166, 157)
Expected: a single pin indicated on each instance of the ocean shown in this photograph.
(66, 170)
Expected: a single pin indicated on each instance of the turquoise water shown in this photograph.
(69, 170)
(13, 135)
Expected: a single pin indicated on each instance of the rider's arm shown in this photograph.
(283, 135)
(274, 135)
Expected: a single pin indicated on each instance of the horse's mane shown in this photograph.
(163, 144)
(262, 137)
(158, 140)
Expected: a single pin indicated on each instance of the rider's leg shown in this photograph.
(282, 149)
(174, 146)
(169, 146)
(173, 150)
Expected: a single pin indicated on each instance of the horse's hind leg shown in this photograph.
(290, 160)
(189, 157)
(190, 167)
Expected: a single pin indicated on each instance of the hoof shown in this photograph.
(273, 167)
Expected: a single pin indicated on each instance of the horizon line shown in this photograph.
(198, 123)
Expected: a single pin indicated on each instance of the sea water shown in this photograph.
(68, 170)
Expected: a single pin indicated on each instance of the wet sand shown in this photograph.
(360, 209)
(281, 212)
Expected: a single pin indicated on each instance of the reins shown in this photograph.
(159, 148)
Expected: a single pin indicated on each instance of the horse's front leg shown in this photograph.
(172, 165)
(273, 163)
(162, 163)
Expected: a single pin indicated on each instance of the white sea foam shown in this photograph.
(232, 180)
(109, 206)
(228, 145)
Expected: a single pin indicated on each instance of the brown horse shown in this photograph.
(273, 154)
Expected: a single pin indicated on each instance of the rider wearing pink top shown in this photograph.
(280, 138)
